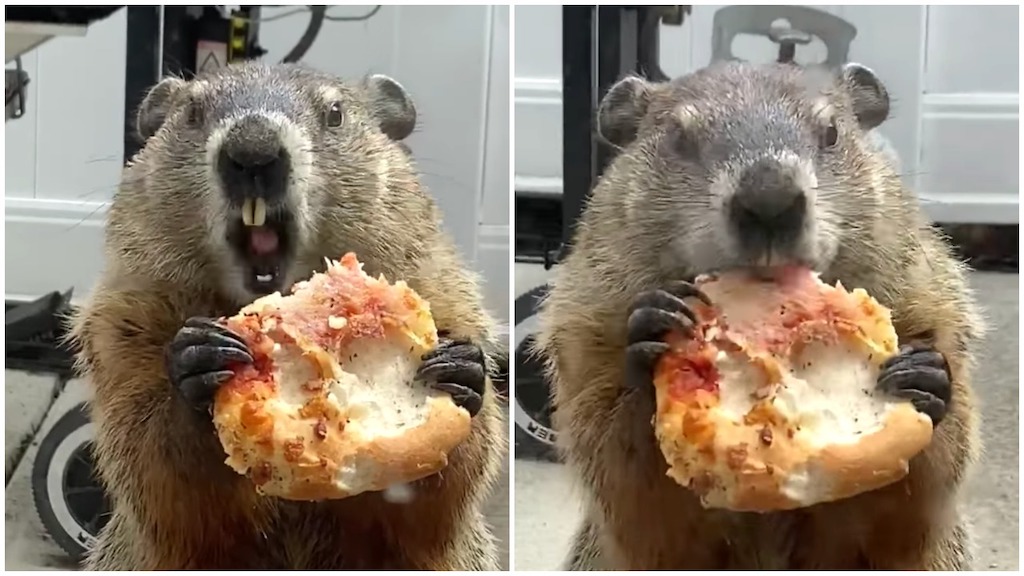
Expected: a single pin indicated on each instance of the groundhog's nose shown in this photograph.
(252, 162)
(769, 197)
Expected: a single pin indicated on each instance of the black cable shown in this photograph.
(316, 21)
(318, 14)
(366, 16)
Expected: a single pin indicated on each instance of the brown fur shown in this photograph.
(638, 518)
(176, 504)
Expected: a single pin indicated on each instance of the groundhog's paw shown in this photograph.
(920, 374)
(200, 357)
(458, 368)
(651, 316)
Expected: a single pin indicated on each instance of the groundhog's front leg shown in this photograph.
(178, 505)
(602, 355)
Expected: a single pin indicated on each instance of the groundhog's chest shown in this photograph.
(322, 536)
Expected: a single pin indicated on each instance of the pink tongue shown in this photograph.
(262, 240)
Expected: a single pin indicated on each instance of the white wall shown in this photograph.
(952, 72)
(63, 158)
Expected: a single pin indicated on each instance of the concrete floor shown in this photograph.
(547, 505)
(29, 547)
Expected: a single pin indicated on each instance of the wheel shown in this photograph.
(69, 500)
(534, 436)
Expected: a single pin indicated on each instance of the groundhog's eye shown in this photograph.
(830, 137)
(335, 116)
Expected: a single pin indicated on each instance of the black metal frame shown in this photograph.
(600, 45)
(142, 67)
(148, 60)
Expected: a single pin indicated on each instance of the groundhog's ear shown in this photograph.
(869, 96)
(155, 106)
(622, 109)
(392, 106)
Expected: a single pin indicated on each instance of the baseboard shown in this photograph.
(947, 170)
(538, 129)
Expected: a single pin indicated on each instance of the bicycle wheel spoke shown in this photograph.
(79, 490)
(82, 458)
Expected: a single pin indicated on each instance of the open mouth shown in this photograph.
(262, 239)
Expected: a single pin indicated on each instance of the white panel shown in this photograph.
(51, 245)
(80, 117)
(970, 158)
(493, 256)
(495, 207)
(973, 49)
(441, 57)
(538, 127)
(538, 41)
(20, 138)
(492, 251)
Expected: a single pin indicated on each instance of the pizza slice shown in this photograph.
(773, 404)
(331, 408)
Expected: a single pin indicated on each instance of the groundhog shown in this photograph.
(745, 166)
(249, 178)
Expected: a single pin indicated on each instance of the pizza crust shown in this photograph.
(773, 405)
(330, 408)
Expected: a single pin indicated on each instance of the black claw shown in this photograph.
(456, 350)
(462, 396)
(651, 315)
(192, 336)
(919, 374)
(925, 403)
(682, 289)
(652, 324)
(662, 300)
(200, 357)
(932, 381)
(209, 325)
(465, 374)
(457, 367)
(199, 389)
(640, 360)
(434, 363)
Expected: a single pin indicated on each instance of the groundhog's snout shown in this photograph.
(769, 199)
(253, 163)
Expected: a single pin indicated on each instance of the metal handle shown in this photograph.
(837, 34)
